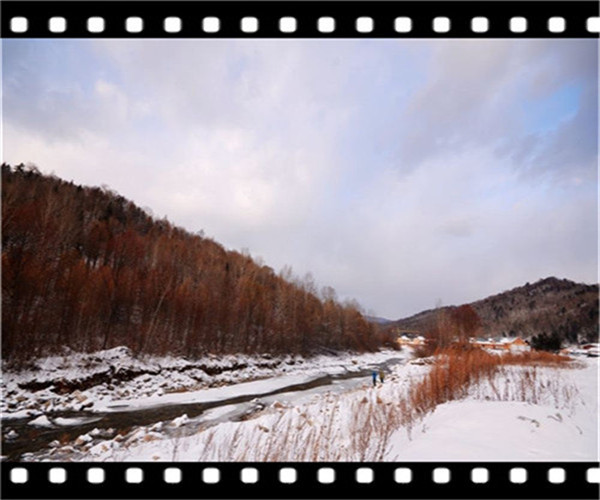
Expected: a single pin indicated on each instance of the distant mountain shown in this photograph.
(550, 305)
(377, 320)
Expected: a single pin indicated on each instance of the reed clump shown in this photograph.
(462, 365)
(359, 426)
(533, 357)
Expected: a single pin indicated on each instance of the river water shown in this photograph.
(32, 438)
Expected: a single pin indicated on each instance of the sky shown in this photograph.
(403, 173)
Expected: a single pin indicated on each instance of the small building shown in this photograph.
(506, 344)
(413, 340)
(519, 345)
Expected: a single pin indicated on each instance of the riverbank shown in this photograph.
(164, 390)
(523, 407)
(89, 381)
(309, 425)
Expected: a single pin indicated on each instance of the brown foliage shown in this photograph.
(534, 357)
(448, 326)
(462, 364)
(86, 269)
(466, 321)
(425, 351)
(387, 339)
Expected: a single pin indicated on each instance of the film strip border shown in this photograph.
(576, 480)
(297, 19)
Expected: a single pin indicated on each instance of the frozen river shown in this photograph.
(203, 408)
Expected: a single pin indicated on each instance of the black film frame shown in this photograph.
(383, 13)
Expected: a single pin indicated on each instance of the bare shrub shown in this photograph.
(361, 429)
(461, 365)
(532, 357)
(425, 350)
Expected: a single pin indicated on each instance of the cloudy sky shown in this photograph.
(400, 172)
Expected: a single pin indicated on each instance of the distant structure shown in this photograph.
(590, 350)
(506, 344)
(409, 339)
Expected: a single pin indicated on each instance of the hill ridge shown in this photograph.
(550, 305)
(85, 268)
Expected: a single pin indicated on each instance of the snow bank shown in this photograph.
(211, 395)
(41, 421)
(494, 431)
(74, 421)
(96, 381)
(554, 419)
(20, 414)
(323, 428)
(491, 426)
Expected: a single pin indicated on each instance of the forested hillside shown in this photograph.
(87, 269)
(551, 306)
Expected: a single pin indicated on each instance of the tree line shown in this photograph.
(84, 268)
(551, 307)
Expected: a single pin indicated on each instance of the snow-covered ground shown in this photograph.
(287, 429)
(101, 380)
(502, 418)
(521, 413)
(554, 419)
(496, 431)
(65, 398)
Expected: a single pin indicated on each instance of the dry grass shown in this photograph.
(456, 369)
(425, 350)
(542, 358)
(361, 428)
(460, 366)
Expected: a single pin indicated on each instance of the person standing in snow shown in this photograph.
(374, 378)
(381, 376)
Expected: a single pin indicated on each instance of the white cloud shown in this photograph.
(399, 172)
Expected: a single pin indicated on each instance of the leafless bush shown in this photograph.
(361, 429)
